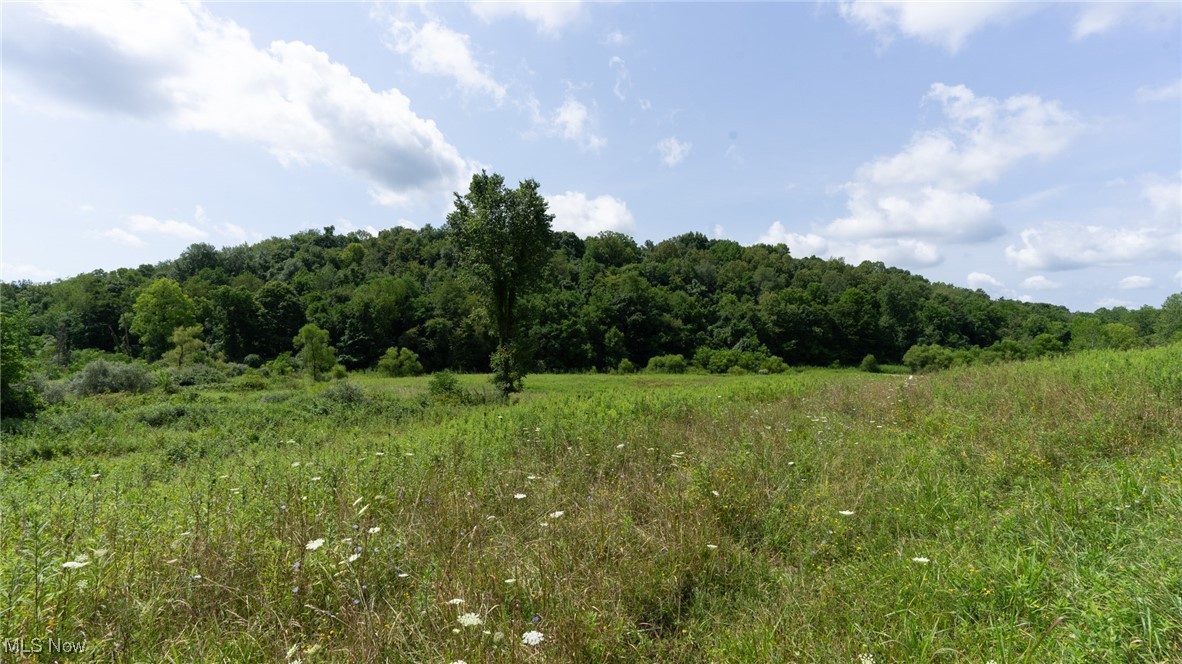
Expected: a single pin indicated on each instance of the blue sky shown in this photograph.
(1033, 151)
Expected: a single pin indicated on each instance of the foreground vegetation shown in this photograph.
(1014, 512)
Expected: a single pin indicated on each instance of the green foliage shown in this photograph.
(197, 374)
(671, 364)
(626, 367)
(16, 398)
(187, 346)
(101, 376)
(748, 357)
(339, 372)
(400, 362)
(344, 393)
(869, 364)
(928, 357)
(160, 309)
(504, 240)
(316, 356)
(444, 384)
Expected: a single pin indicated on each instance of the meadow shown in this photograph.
(1016, 512)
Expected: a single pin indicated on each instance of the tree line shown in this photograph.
(604, 302)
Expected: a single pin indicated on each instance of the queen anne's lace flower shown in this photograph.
(532, 638)
(470, 620)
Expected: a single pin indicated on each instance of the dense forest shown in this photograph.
(606, 303)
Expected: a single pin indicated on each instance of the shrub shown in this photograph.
(444, 384)
(870, 364)
(253, 361)
(774, 365)
(673, 364)
(339, 372)
(198, 374)
(922, 358)
(250, 382)
(101, 376)
(345, 393)
(626, 367)
(283, 365)
(400, 362)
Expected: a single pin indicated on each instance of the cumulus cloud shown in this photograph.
(574, 122)
(574, 212)
(1135, 281)
(181, 64)
(982, 280)
(1039, 282)
(435, 49)
(673, 151)
(180, 229)
(615, 38)
(946, 24)
(1112, 302)
(1163, 93)
(892, 251)
(549, 17)
(900, 206)
(120, 236)
(1062, 246)
(19, 271)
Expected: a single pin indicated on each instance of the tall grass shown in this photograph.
(1021, 512)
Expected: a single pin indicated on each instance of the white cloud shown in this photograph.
(435, 49)
(19, 271)
(1039, 282)
(1135, 281)
(1165, 195)
(181, 64)
(1099, 17)
(574, 212)
(946, 24)
(645, 105)
(615, 38)
(1112, 302)
(982, 280)
(719, 232)
(573, 122)
(902, 251)
(120, 236)
(549, 17)
(1060, 246)
(673, 151)
(900, 204)
(1163, 93)
(234, 232)
(623, 79)
(144, 224)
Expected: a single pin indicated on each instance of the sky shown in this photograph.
(1033, 151)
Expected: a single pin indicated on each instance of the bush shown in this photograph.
(400, 362)
(101, 377)
(774, 365)
(749, 356)
(252, 381)
(339, 372)
(198, 374)
(345, 393)
(283, 365)
(870, 364)
(444, 384)
(673, 364)
(922, 358)
(253, 361)
(626, 367)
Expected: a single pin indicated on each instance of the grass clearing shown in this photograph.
(1016, 512)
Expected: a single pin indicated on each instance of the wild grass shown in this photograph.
(1018, 512)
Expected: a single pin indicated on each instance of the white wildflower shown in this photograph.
(716, 494)
(532, 638)
(314, 544)
(353, 558)
(920, 560)
(470, 620)
(866, 658)
(74, 564)
(846, 512)
(455, 602)
(375, 530)
(555, 515)
(519, 496)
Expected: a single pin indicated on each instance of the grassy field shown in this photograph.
(1019, 512)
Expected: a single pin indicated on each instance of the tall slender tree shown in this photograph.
(504, 239)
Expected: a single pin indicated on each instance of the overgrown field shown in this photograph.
(1018, 512)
